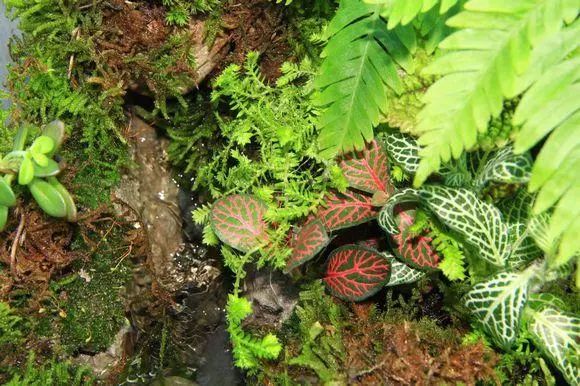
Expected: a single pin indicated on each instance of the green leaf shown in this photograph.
(498, 304)
(51, 169)
(401, 273)
(71, 208)
(404, 150)
(48, 198)
(478, 222)
(387, 218)
(26, 172)
(3, 217)
(505, 167)
(42, 145)
(558, 334)
(238, 220)
(56, 131)
(7, 197)
(40, 159)
(359, 65)
(479, 69)
(551, 105)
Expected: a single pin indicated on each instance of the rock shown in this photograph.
(273, 297)
(102, 363)
(173, 381)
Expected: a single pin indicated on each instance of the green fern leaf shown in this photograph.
(405, 11)
(552, 105)
(480, 69)
(358, 67)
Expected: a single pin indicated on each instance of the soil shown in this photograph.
(257, 25)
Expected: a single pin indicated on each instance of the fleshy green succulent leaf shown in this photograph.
(387, 217)
(26, 172)
(368, 170)
(238, 221)
(358, 67)
(401, 273)
(558, 335)
(480, 69)
(43, 145)
(505, 167)
(498, 304)
(7, 197)
(413, 250)
(48, 198)
(3, 217)
(479, 223)
(355, 273)
(40, 159)
(71, 208)
(311, 239)
(56, 131)
(344, 210)
(404, 150)
(51, 169)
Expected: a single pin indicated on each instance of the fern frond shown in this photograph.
(405, 11)
(480, 69)
(247, 348)
(358, 68)
(551, 105)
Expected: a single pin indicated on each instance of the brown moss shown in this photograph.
(411, 353)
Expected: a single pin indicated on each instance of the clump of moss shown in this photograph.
(329, 341)
(93, 309)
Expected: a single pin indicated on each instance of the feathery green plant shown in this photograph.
(248, 350)
(480, 68)
(361, 61)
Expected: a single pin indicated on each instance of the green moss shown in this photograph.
(94, 311)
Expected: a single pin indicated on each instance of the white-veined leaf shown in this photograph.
(478, 222)
(387, 218)
(404, 150)
(558, 334)
(505, 167)
(498, 303)
(401, 273)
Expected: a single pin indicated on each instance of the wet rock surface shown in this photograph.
(182, 285)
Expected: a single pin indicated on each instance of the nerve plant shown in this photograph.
(35, 168)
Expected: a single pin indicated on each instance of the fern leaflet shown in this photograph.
(480, 69)
(358, 68)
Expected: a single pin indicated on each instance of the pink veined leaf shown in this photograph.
(238, 221)
(355, 273)
(415, 251)
(347, 210)
(368, 170)
(311, 239)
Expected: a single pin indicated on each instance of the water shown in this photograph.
(7, 30)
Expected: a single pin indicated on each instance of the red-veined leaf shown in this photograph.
(355, 272)
(414, 250)
(238, 221)
(346, 210)
(368, 170)
(311, 239)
